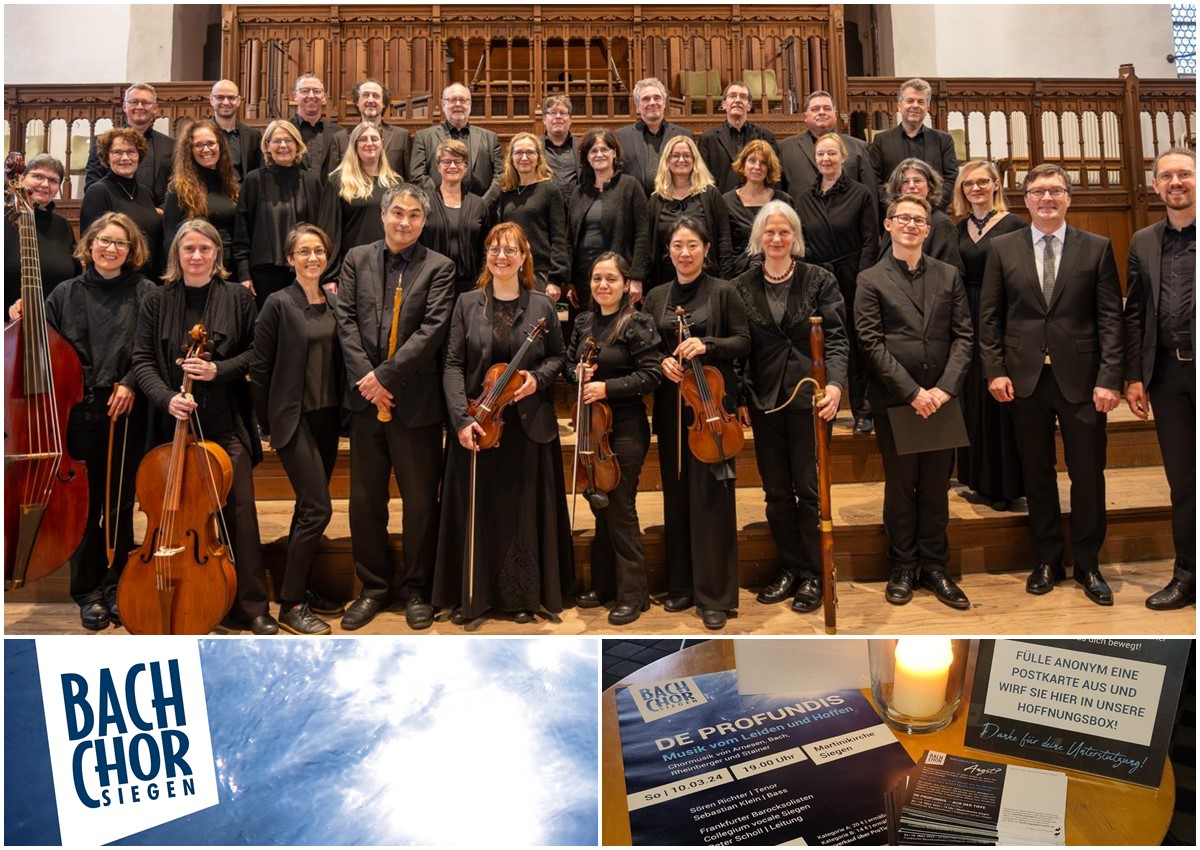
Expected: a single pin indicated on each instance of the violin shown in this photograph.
(715, 434)
(182, 581)
(45, 490)
(500, 384)
(596, 468)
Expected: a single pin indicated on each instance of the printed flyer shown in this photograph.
(385, 741)
(707, 766)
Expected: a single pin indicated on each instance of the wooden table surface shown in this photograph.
(1099, 811)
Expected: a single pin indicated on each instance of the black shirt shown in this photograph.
(564, 164)
(914, 146)
(349, 223)
(393, 270)
(915, 277)
(214, 400)
(539, 211)
(320, 382)
(56, 248)
(222, 210)
(113, 193)
(1176, 293)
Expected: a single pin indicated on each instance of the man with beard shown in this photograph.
(720, 146)
(245, 142)
(485, 163)
(373, 100)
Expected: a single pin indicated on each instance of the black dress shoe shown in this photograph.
(1176, 594)
(623, 615)
(808, 596)
(300, 620)
(114, 614)
(457, 618)
(944, 589)
(900, 586)
(319, 603)
(863, 425)
(1001, 504)
(1095, 587)
(418, 613)
(523, 617)
(1043, 577)
(264, 624)
(778, 590)
(362, 611)
(714, 619)
(588, 599)
(677, 603)
(94, 616)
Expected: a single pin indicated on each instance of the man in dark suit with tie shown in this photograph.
(394, 371)
(720, 146)
(797, 153)
(486, 163)
(914, 328)
(1160, 354)
(245, 142)
(644, 141)
(140, 105)
(1051, 338)
(373, 100)
(911, 138)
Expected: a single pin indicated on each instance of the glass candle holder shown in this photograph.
(917, 682)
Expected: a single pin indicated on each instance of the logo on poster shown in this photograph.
(663, 699)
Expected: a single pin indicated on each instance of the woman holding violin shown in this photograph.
(196, 292)
(97, 313)
(781, 293)
(509, 549)
(702, 322)
(623, 367)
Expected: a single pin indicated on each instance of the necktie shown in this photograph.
(1048, 267)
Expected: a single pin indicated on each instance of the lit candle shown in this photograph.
(922, 669)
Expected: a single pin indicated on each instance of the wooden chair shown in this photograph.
(763, 83)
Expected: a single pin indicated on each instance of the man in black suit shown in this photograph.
(245, 142)
(140, 105)
(911, 138)
(373, 100)
(720, 146)
(914, 328)
(796, 153)
(1051, 338)
(395, 372)
(562, 154)
(315, 130)
(644, 141)
(486, 163)
(1160, 358)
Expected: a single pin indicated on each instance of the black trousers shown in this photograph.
(308, 459)
(241, 519)
(1084, 444)
(785, 447)
(916, 508)
(414, 456)
(618, 557)
(1173, 400)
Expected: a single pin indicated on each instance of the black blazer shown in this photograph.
(474, 223)
(888, 150)
(796, 155)
(813, 291)
(395, 148)
(256, 241)
(624, 222)
(716, 218)
(840, 230)
(411, 374)
(317, 158)
(469, 355)
(153, 171)
(718, 151)
(484, 167)
(250, 139)
(640, 159)
(910, 346)
(1141, 303)
(279, 367)
(1082, 329)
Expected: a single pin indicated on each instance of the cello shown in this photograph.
(45, 490)
(715, 434)
(182, 580)
(596, 468)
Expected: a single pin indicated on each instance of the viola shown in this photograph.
(45, 490)
(597, 471)
(715, 434)
(500, 384)
(182, 581)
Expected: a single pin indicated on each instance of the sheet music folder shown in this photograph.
(945, 429)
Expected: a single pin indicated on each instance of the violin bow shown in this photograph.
(578, 419)
(679, 314)
(110, 536)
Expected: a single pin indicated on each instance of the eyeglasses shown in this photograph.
(310, 90)
(456, 100)
(281, 141)
(452, 163)
(1168, 176)
(122, 154)
(599, 150)
(508, 251)
(140, 103)
(108, 242)
(559, 113)
(1056, 193)
(681, 157)
(737, 95)
(904, 219)
(913, 181)
(524, 154)
(205, 146)
(308, 253)
(39, 177)
(981, 183)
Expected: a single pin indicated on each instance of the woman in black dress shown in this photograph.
(625, 370)
(274, 199)
(990, 466)
(296, 379)
(97, 313)
(607, 212)
(529, 197)
(758, 167)
(523, 558)
(458, 221)
(684, 188)
(119, 191)
(916, 177)
(699, 499)
(841, 232)
(42, 180)
(203, 185)
(195, 290)
(350, 214)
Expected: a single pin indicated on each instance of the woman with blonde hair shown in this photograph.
(529, 197)
(203, 185)
(757, 166)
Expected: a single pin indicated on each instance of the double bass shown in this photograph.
(596, 467)
(45, 490)
(182, 581)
